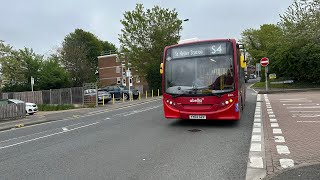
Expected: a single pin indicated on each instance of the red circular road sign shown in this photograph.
(264, 61)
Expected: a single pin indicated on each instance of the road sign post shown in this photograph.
(264, 62)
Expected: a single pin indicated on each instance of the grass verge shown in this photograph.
(296, 85)
(50, 107)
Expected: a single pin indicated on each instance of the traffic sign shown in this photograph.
(264, 61)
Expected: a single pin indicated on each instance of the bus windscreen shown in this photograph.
(200, 69)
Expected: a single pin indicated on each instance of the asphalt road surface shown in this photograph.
(136, 142)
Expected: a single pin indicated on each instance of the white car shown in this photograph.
(31, 108)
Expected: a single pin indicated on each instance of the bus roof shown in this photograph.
(197, 41)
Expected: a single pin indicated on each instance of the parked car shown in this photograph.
(114, 91)
(120, 91)
(101, 94)
(125, 89)
(252, 76)
(31, 108)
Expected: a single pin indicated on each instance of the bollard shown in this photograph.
(152, 93)
(158, 92)
(112, 98)
(103, 100)
(139, 95)
(123, 97)
(146, 94)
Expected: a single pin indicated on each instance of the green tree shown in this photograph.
(79, 55)
(52, 75)
(143, 37)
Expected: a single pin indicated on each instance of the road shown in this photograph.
(135, 142)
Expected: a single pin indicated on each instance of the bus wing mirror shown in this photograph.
(242, 62)
(161, 68)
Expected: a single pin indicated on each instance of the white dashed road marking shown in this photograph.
(286, 163)
(256, 162)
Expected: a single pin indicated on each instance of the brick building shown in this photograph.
(112, 70)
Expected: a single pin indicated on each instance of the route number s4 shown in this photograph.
(216, 49)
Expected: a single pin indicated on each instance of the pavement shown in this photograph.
(132, 142)
(291, 123)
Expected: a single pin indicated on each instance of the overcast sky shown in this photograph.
(42, 24)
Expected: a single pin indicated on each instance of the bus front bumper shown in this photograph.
(229, 113)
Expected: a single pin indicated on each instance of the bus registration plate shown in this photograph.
(197, 117)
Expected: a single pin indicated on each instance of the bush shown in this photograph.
(50, 107)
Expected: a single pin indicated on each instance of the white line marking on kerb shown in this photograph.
(256, 130)
(255, 147)
(256, 162)
(256, 138)
(257, 120)
(65, 129)
(281, 149)
(41, 137)
(286, 163)
(256, 124)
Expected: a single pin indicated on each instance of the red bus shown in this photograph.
(203, 80)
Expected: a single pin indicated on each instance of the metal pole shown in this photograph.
(71, 96)
(50, 96)
(97, 95)
(266, 76)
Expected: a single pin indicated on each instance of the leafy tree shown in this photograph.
(143, 37)
(52, 75)
(79, 55)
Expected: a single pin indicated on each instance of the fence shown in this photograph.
(52, 96)
(12, 111)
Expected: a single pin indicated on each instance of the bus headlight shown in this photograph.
(170, 102)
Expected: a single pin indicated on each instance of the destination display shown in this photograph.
(216, 48)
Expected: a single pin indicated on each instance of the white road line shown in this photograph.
(272, 115)
(296, 101)
(304, 107)
(306, 111)
(257, 116)
(65, 129)
(276, 131)
(282, 149)
(143, 110)
(286, 163)
(274, 125)
(300, 104)
(292, 99)
(279, 139)
(308, 121)
(269, 109)
(256, 138)
(307, 115)
(255, 147)
(256, 162)
(41, 137)
(38, 133)
(270, 112)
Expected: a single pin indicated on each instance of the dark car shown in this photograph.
(113, 90)
(125, 90)
(101, 95)
(121, 91)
